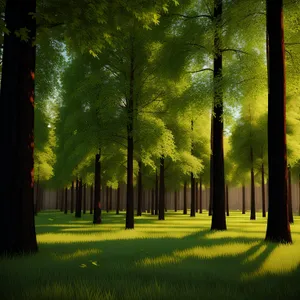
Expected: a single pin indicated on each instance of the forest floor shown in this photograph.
(179, 258)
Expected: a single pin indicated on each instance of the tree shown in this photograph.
(278, 228)
(17, 98)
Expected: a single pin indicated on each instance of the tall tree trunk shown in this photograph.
(176, 201)
(110, 198)
(152, 201)
(140, 190)
(218, 215)
(243, 200)
(118, 200)
(130, 129)
(107, 199)
(278, 227)
(97, 190)
(193, 196)
(161, 215)
(156, 194)
(62, 193)
(72, 197)
(210, 207)
(17, 226)
(263, 194)
(57, 200)
(91, 199)
(37, 195)
(78, 198)
(66, 200)
(252, 215)
(84, 198)
(227, 201)
(200, 200)
(290, 202)
(184, 199)
(196, 196)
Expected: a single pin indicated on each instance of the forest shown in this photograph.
(145, 100)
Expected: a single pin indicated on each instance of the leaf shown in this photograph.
(83, 266)
(50, 219)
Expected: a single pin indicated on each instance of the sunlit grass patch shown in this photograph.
(75, 254)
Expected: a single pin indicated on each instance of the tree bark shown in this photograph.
(97, 195)
(227, 201)
(107, 199)
(176, 201)
(252, 214)
(200, 200)
(84, 198)
(72, 197)
(290, 202)
(118, 200)
(193, 196)
(140, 189)
(152, 201)
(110, 198)
(184, 199)
(91, 199)
(62, 192)
(78, 198)
(210, 207)
(278, 227)
(66, 201)
(17, 226)
(243, 200)
(161, 215)
(196, 196)
(263, 194)
(130, 107)
(218, 195)
(57, 200)
(156, 194)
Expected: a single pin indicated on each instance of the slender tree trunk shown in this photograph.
(37, 195)
(218, 215)
(97, 195)
(17, 226)
(152, 201)
(193, 196)
(84, 198)
(227, 201)
(200, 200)
(278, 227)
(161, 215)
(176, 201)
(290, 202)
(140, 190)
(252, 215)
(66, 200)
(118, 200)
(210, 207)
(91, 199)
(72, 197)
(196, 196)
(263, 195)
(62, 193)
(184, 199)
(243, 200)
(107, 199)
(130, 107)
(78, 198)
(110, 199)
(156, 194)
(57, 200)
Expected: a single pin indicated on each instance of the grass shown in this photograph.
(179, 258)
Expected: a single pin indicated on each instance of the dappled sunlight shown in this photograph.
(198, 252)
(283, 259)
(255, 255)
(76, 254)
(236, 234)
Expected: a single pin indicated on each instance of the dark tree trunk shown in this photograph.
(118, 200)
(193, 196)
(149, 201)
(62, 193)
(130, 108)
(57, 200)
(156, 194)
(84, 198)
(263, 194)
(252, 214)
(218, 195)
(152, 201)
(78, 199)
(66, 200)
(110, 198)
(278, 227)
(184, 199)
(72, 197)
(200, 192)
(196, 196)
(290, 202)
(210, 207)
(37, 197)
(161, 215)
(91, 199)
(176, 201)
(140, 190)
(97, 195)
(17, 226)
(227, 201)
(107, 199)
(243, 200)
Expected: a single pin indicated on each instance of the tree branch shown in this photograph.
(193, 17)
(234, 50)
(291, 44)
(202, 70)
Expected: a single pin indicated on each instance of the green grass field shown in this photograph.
(179, 258)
